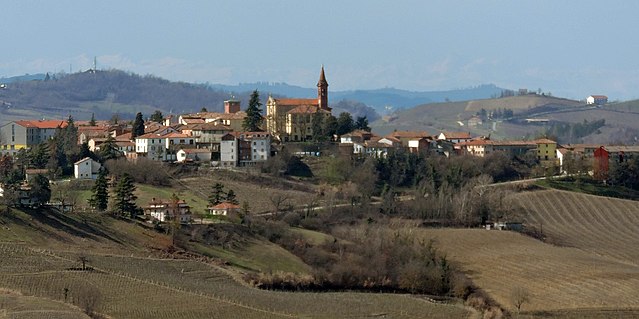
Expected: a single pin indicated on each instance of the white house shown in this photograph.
(597, 99)
(224, 209)
(86, 168)
(165, 210)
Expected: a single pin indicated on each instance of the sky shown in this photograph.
(571, 48)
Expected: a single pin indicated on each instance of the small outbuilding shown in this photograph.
(86, 168)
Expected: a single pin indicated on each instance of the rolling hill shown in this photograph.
(104, 93)
(436, 117)
(592, 267)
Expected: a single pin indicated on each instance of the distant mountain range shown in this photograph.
(379, 99)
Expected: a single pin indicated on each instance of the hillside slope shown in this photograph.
(593, 265)
(436, 117)
(104, 93)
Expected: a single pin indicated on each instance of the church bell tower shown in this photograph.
(322, 91)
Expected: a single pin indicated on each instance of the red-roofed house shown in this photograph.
(25, 134)
(291, 119)
(597, 99)
(224, 209)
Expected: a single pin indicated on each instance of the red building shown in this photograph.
(600, 163)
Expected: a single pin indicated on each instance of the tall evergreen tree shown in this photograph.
(253, 120)
(92, 121)
(344, 123)
(138, 126)
(40, 189)
(231, 198)
(39, 155)
(124, 200)
(100, 191)
(217, 196)
(362, 124)
(109, 150)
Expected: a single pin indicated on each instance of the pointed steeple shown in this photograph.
(322, 79)
(322, 91)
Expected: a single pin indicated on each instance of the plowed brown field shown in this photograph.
(597, 267)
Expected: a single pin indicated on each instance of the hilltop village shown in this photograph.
(239, 138)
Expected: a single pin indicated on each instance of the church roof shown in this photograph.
(292, 102)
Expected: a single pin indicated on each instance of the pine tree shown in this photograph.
(100, 191)
(157, 117)
(231, 198)
(217, 196)
(138, 126)
(92, 121)
(253, 120)
(124, 200)
(109, 150)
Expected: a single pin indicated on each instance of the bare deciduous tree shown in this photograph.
(519, 296)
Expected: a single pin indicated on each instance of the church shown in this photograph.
(289, 120)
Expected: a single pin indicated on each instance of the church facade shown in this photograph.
(289, 120)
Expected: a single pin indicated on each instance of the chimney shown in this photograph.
(231, 106)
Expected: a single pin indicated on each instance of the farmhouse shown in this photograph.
(167, 210)
(224, 209)
(597, 100)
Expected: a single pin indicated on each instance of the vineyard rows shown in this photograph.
(134, 287)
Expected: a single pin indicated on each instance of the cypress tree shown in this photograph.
(231, 198)
(138, 126)
(253, 120)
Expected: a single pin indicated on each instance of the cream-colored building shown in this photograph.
(289, 120)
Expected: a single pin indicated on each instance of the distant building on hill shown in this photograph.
(597, 99)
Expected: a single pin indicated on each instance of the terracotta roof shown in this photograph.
(124, 137)
(192, 120)
(622, 148)
(150, 135)
(208, 127)
(297, 102)
(225, 205)
(544, 141)
(196, 150)
(303, 109)
(176, 135)
(456, 135)
(48, 124)
(409, 134)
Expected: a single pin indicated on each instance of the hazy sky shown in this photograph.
(570, 48)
